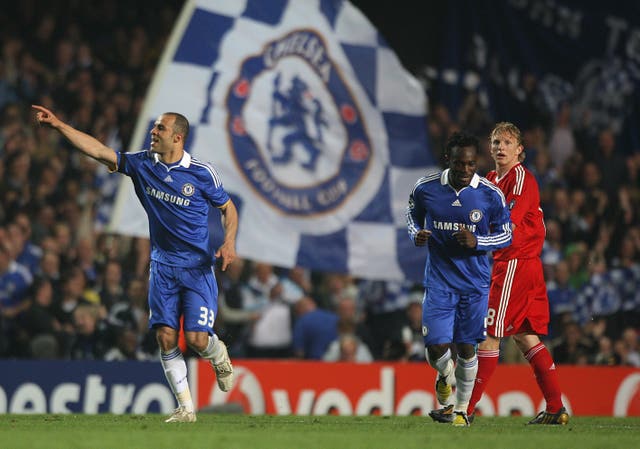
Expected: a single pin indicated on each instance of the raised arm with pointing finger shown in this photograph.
(89, 145)
(176, 190)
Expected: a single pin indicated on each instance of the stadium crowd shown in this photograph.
(70, 290)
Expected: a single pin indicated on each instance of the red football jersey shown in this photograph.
(522, 194)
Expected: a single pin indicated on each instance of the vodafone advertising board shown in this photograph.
(299, 388)
(317, 388)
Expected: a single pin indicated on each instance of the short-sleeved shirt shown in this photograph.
(176, 198)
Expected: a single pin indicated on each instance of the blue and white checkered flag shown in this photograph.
(314, 126)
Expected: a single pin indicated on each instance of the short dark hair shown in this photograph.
(460, 139)
(181, 125)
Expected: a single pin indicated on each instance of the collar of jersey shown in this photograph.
(184, 162)
(444, 179)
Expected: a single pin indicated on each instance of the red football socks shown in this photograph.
(546, 376)
(487, 362)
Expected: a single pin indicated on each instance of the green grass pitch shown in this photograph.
(225, 431)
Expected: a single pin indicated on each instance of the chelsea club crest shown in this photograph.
(188, 189)
(298, 135)
(475, 215)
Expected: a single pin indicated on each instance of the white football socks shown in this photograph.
(175, 370)
(443, 365)
(466, 370)
(213, 351)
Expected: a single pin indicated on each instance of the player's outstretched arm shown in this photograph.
(227, 250)
(87, 144)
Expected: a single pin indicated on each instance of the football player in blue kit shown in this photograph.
(176, 191)
(460, 216)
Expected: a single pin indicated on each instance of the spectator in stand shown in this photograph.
(234, 322)
(562, 298)
(295, 285)
(552, 249)
(14, 187)
(126, 346)
(565, 212)
(576, 255)
(595, 204)
(336, 286)
(347, 347)
(43, 222)
(545, 174)
(572, 346)
(630, 347)
(90, 340)
(15, 281)
(352, 350)
(39, 318)
(131, 311)
(606, 355)
(313, 330)
(111, 288)
(599, 296)
(385, 305)
(412, 331)
(609, 160)
(347, 310)
(50, 268)
(257, 291)
(29, 254)
(86, 259)
(562, 142)
(625, 274)
(73, 293)
(64, 239)
(592, 331)
(271, 336)
(473, 117)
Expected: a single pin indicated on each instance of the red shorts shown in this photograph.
(518, 299)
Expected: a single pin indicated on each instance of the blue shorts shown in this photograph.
(453, 318)
(176, 292)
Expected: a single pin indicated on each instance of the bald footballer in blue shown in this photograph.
(460, 216)
(176, 190)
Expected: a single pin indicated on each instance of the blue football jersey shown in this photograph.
(480, 207)
(176, 198)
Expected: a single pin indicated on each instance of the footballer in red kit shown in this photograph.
(518, 295)
(518, 302)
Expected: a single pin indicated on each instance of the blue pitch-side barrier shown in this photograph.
(83, 387)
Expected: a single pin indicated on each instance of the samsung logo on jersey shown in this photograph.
(168, 197)
(448, 226)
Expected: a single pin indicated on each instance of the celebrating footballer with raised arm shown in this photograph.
(460, 216)
(176, 190)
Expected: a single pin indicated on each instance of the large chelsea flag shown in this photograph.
(316, 129)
